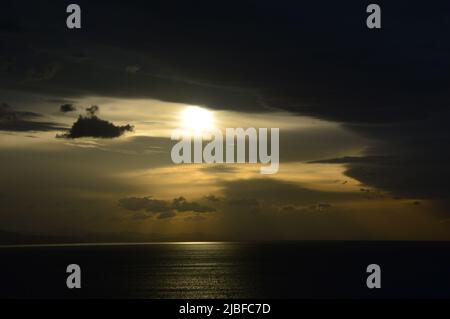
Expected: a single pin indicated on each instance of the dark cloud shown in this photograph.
(144, 203)
(23, 121)
(165, 215)
(314, 59)
(419, 171)
(182, 205)
(240, 198)
(92, 126)
(92, 110)
(164, 209)
(8, 113)
(256, 208)
(65, 108)
(310, 58)
(150, 207)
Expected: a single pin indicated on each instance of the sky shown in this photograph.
(86, 118)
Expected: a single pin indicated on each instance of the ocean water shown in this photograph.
(228, 270)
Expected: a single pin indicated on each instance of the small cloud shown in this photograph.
(93, 110)
(65, 108)
(92, 126)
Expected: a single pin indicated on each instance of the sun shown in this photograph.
(197, 119)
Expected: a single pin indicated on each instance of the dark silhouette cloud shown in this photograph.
(92, 110)
(162, 208)
(65, 108)
(165, 215)
(231, 204)
(144, 203)
(92, 126)
(182, 205)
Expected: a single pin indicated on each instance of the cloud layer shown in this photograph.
(23, 121)
(162, 208)
(317, 59)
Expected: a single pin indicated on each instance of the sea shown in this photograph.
(231, 270)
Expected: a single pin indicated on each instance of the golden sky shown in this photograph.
(90, 185)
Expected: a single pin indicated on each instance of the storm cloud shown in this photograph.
(316, 59)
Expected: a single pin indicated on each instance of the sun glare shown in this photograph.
(197, 119)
